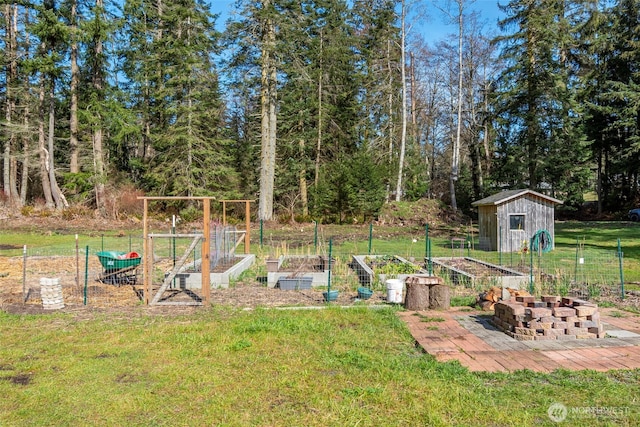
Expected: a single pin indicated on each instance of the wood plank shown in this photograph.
(176, 268)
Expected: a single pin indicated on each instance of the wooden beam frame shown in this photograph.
(206, 250)
(247, 220)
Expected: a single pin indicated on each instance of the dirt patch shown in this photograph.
(251, 296)
(425, 211)
(20, 379)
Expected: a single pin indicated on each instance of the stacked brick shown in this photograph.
(551, 318)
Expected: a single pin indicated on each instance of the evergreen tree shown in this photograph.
(179, 100)
(537, 116)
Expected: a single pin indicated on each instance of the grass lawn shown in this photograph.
(333, 367)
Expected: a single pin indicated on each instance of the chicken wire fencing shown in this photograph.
(109, 272)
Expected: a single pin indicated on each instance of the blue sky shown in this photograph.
(434, 26)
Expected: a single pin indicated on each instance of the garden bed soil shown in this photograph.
(474, 268)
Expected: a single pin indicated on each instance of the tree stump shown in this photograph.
(418, 293)
(439, 297)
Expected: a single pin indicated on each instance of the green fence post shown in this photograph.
(620, 254)
(86, 273)
(329, 272)
(575, 276)
(426, 241)
(261, 221)
(429, 256)
(530, 270)
(315, 236)
(370, 236)
(173, 245)
(24, 273)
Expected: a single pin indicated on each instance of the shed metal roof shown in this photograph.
(505, 196)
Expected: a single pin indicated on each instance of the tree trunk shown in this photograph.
(26, 120)
(419, 291)
(73, 89)
(319, 142)
(24, 184)
(58, 197)
(268, 127)
(390, 124)
(42, 149)
(455, 159)
(417, 298)
(10, 163)
(304, 196)
(403, 134)
(439, 297)
(98, 152)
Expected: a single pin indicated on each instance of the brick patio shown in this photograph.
(471, 338)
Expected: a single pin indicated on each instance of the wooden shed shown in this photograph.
(507, 220)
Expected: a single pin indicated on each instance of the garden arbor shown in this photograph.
(202, 237)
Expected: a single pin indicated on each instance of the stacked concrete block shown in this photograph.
(51, 294)
(550, 318)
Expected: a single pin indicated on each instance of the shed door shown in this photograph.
(517, 236)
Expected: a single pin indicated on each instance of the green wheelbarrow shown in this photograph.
(119, 267)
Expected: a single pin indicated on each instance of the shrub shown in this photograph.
(123, 201)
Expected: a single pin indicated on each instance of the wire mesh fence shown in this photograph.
(109, 271)
(357, 264)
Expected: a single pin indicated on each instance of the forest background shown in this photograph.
(319, 109)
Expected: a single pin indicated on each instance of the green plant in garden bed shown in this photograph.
(268, 367)
(390, 265)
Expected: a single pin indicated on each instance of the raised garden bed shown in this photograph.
(221, 275)
(472, 272)
(372, 269)
(297, 266)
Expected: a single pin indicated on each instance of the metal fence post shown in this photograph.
(429, 256)
(24, 274)
(620, 254)
(370, 236)
(261, 225)
(426, 240)
(315, 236)
(530, 270)
(86, 273)
(329, 272)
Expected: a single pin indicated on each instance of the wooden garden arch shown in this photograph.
(247, 220)
(147, 260)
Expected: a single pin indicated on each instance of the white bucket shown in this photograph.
(394, 290)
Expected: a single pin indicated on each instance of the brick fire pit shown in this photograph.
(551, 318)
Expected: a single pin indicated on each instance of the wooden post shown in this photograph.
(146, 256)
(224, 212)
(206, 251)
(247, 224)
